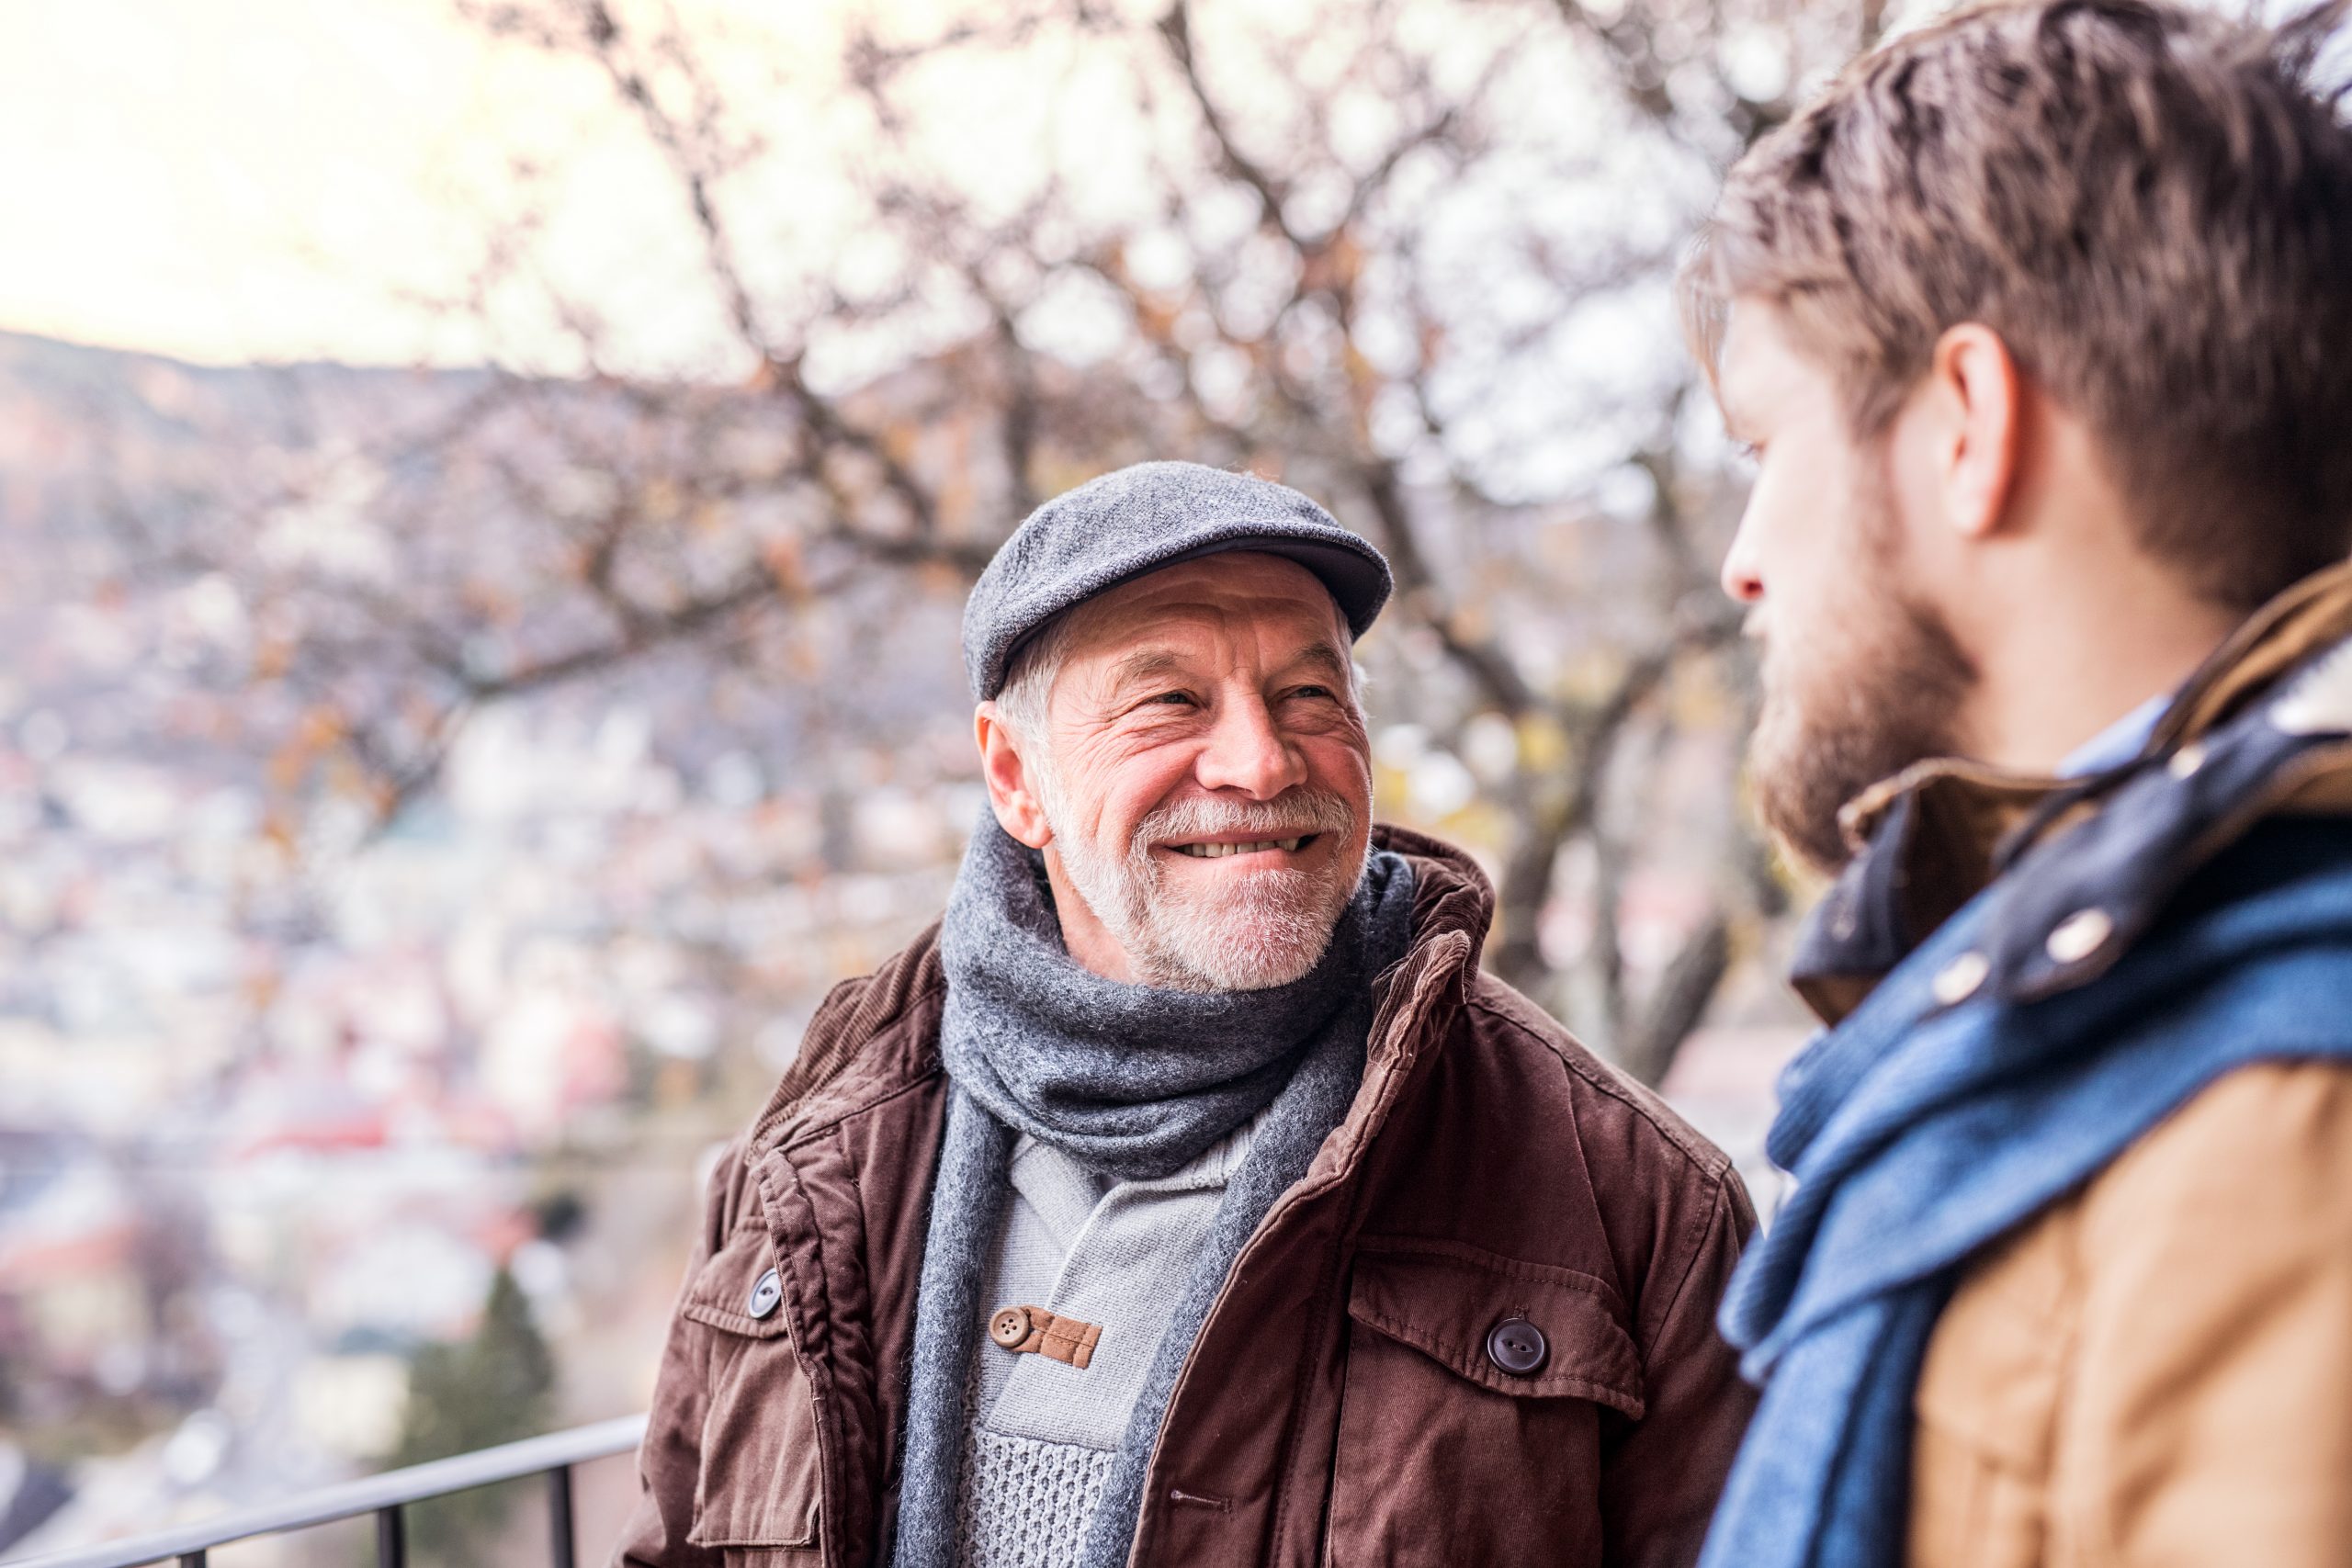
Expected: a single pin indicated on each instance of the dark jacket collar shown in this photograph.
(2259, 729)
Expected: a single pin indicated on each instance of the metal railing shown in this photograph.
(383, 1495)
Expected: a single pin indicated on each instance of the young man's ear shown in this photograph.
(1012, 794)
(1979, 398)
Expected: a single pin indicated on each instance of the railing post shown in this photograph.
(392, 1538)
(192, 1559)
(559, 1547)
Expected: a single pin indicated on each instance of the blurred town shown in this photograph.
(433, 800)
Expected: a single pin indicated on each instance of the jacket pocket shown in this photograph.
(1444, 1455)
(757, 1491)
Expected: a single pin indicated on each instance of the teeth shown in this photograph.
(1218, 852)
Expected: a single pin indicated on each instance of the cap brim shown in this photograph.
(1359, 585)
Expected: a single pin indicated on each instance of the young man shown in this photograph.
(1188, 1195)
(2041, 325)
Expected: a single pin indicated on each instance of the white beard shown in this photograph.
(1259, 930)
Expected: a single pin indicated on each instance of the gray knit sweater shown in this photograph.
(1042, 1435)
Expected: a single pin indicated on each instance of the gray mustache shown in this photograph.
(1291, 816)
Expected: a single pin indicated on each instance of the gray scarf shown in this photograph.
(1135, 1082)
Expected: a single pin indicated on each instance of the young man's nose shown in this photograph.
(1247, 753)
(1740, 579)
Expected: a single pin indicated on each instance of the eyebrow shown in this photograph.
(1151, 663)
(1326, 657)
(1146, 664)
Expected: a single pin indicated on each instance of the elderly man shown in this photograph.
(1188, 1195)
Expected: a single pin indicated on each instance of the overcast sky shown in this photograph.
(229, 180)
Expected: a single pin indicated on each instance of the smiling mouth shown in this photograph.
(1218, 852)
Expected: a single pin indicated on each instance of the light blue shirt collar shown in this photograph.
(2118, 743)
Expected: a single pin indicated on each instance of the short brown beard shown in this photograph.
(1889, 699)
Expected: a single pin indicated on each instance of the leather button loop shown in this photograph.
(1518, 1346)
(766, 1295)
(1010, 1327)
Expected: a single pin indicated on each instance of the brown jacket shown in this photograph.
(2157, 1370)
(1340, 1404)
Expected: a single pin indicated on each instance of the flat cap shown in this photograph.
(1139, 519)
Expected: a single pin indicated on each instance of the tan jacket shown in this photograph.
(2157, 1370)
(2160, 1370)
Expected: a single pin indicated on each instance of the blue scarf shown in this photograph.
(1918, 1135)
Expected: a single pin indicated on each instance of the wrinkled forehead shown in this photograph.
(1274, 606)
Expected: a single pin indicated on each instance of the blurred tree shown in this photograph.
(1412, 255)
(495, 1388)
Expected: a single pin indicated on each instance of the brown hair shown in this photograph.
(2151, 205)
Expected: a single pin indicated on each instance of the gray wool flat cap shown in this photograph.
(1139, 519)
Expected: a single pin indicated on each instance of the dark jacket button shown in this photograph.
(1518, 1346)
(766, 1295)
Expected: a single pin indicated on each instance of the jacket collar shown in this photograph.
(2259, 728)
(873, 1038)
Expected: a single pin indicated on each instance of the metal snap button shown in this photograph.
(766, 1295)
(2080, 934)
(1010, 1327)
(1518, 1346)
(1958, 980)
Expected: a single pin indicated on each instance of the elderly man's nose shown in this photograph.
(1247, 753)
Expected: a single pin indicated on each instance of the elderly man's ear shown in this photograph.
(1018, 810)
